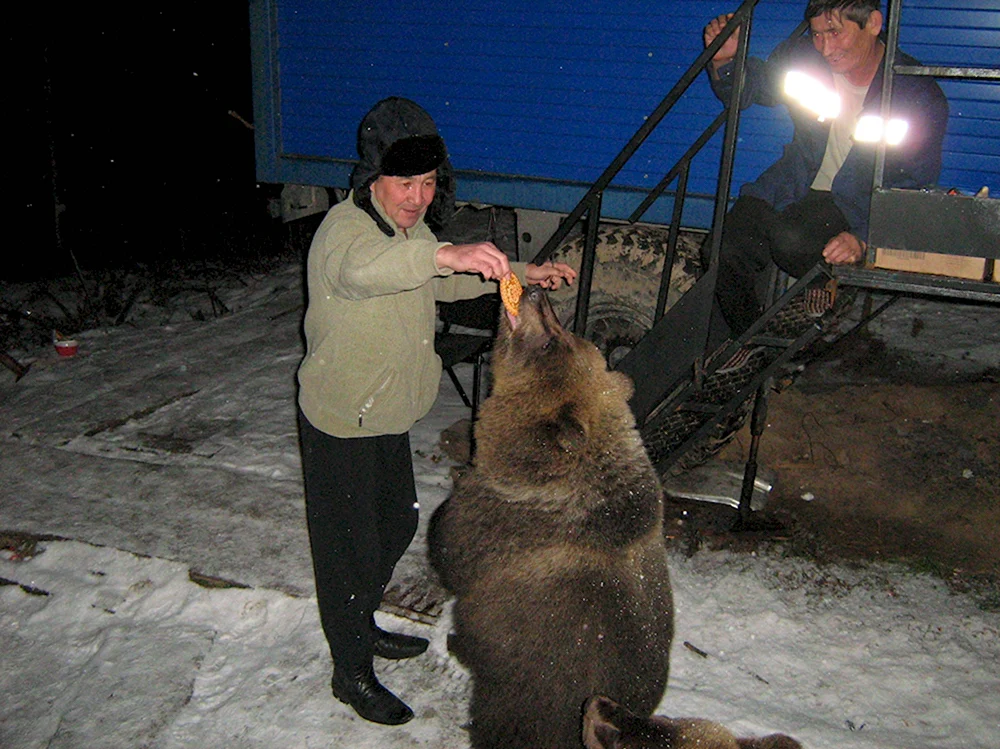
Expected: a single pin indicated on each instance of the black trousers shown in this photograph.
(361, 509)
(756, 236)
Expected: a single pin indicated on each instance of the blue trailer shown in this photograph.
(535, 98)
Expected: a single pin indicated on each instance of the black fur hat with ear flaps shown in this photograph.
(398, 138)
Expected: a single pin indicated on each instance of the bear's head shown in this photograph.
(608, 725)
(554, 401)
(534, 352)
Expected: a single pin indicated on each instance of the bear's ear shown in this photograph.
(608, 725)
(624, 384)
(599, 730)
(602, 736)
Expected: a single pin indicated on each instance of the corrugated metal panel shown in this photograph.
(548, 93)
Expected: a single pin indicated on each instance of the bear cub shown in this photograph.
(552, 543)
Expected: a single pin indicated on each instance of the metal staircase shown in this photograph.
(683, 394)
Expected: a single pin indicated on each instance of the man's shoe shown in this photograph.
(396, 646)
(745, 359)
(362, 690)
(818, 301)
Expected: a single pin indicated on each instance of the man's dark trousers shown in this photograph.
(361, 508)
(755, 236)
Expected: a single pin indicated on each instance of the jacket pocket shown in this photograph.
(379, 393)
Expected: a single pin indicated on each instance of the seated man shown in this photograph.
(813, 203)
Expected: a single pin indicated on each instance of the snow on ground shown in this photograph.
(162, 451)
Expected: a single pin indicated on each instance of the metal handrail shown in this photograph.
(590, 204)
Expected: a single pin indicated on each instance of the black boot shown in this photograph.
(396, 646)
(361, 689)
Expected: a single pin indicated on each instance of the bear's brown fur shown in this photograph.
(608, 725)
(553, 543)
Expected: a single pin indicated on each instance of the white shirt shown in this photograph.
(841, 131)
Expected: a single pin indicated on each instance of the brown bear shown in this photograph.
(608, 725)
(552, 543)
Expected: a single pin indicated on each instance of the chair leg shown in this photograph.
(477, 371)
(460, 389)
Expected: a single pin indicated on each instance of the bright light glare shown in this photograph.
(812, 95)
(895, 131)
(869, 130)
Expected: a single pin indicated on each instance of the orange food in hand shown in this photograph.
(510, 293)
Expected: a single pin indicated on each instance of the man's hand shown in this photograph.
(728, 50)
(844, 249)
(549, 275)
(483, 258)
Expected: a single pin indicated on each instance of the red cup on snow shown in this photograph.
(67, 348)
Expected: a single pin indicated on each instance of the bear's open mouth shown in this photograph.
(512, 319)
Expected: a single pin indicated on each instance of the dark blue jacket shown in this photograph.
(916, 163)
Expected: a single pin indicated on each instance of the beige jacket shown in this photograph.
(370, 367)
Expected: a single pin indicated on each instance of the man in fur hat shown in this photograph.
(375, 272)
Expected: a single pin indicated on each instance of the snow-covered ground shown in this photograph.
(165, 453)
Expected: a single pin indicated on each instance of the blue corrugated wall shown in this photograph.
(962, 33)
(535, 98)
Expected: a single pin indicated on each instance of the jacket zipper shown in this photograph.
(371, 399)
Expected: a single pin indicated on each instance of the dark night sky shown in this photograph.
(148, 158)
